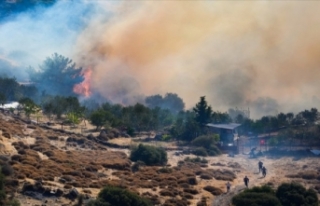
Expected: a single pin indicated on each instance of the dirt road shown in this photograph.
(250, 168)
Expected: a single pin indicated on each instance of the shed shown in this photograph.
(228, 132)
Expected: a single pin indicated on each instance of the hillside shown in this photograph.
(54, 166)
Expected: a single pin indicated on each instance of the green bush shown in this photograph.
(255, 199)
(205, 141)
(208, 143)
(97, 202)
(116, 196)
(150, 155)
(294, 194)
(213, 150)
(196, 160)
(260, 196)
(166, 137)
(200, 151)
(287, 194)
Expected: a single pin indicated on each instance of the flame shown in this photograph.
(84, 88)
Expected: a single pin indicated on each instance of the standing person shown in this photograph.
(260, 164)
(246, 181)
(264, 171)
(228, 186)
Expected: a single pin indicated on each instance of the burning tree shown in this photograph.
(57, 75)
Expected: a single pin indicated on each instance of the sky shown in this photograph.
(261, 55)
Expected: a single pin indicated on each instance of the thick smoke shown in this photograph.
(262, 55)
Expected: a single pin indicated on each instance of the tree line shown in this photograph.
(51, 91)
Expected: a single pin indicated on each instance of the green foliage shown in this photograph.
(29, 107)
(148, 154)
(166, 137)
(116, 196)
(11, 90)
(260, 196)
(196, 160)
(3, 99)
(137, 117)
(213, 150)
(97, 202)
(73, 118)
(255, 199)
(57, 75)
(220, 117)
(99, 118)
(207, 143)
(170, 101)
(59, 105)
(294, 194)
(203, 111)
(287, 194)
(200, 151)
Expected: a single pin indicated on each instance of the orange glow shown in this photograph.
(84, 88)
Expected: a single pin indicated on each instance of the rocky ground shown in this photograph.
(68, 162)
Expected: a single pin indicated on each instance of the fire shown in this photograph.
(84, 87)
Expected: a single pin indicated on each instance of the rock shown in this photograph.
(103, 136)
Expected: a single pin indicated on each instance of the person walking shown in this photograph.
(264, 171)
(228, 186)
(246, 181)
(260, 164)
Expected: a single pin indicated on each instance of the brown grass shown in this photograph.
(213, 190)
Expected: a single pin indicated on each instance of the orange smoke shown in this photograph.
(84, 88)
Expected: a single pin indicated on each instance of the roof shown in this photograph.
(224, 126)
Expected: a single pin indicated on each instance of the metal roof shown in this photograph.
(224, 126)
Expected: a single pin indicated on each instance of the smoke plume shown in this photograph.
(262, 55)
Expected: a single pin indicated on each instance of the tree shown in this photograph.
(202, 112)
(170, 101)
(10, 88)
(294, 194)
(57, 75)
(59, 105)
(29, 107)
(220, 118)
(148, 154)
(99, 118)
(3, 99)
(73, 118)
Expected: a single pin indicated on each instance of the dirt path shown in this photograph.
(256, 179)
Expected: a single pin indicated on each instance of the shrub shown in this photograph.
(205, 141)
(200, 151)
(262, 196)
(294, 194)
(196, 160)
(213, 150)
(6, 169)
(213, 190)
(208, 142)
(116, 196)
(150, 155)
(253, 198)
